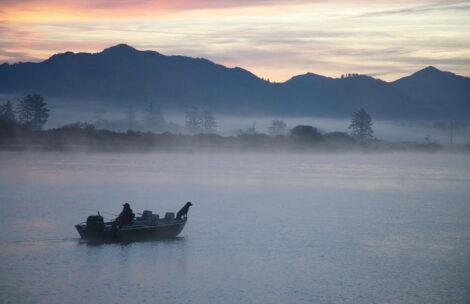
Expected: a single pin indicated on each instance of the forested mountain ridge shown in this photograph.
(123, 76)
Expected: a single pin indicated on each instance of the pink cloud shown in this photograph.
(45, 27)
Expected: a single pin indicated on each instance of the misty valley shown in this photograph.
(23, 126)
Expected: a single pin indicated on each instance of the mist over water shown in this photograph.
(278, 228)
(228, 125)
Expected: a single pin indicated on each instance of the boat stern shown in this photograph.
(81, 229)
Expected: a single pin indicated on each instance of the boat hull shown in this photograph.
(132, 233)
(168, 231)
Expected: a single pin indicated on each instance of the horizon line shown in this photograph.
(40, 60)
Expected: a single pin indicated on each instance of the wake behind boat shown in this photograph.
(149, 226)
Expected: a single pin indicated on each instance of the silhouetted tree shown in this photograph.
(278, 127)
(32, 111)
(25, 111)
(7, 113)
(306, 133)
(154, 119)
(361, 125)
(209, 123)
(194, 120)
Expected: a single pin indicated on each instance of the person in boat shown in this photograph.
(126, 216)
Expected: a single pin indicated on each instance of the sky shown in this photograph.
(274, 39)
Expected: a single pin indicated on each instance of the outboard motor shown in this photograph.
(95, 224)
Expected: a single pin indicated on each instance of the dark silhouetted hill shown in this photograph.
(442, 93)
(122, 75)
(325, 96)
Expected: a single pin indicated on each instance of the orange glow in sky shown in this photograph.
(274, 39)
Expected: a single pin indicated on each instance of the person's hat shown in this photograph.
(126, 205)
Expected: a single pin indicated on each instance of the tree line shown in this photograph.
(361, 128)
(21, 127)
(30, 110)
(200, 121)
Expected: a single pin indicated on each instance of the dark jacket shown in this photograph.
(126, 216)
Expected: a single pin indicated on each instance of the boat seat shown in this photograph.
(169, 216)
(146, 215)
(154, 219)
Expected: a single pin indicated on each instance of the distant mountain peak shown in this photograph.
(429, 69)
(429, 72)
(122, 75)
(306, 77)
(120, 48)
(60, 56)
(312, 75)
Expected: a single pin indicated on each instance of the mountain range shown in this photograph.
(123, 76)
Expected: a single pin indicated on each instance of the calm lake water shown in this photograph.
(304, 228)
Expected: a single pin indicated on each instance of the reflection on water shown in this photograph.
(357, 171)
(361, 228)
(31, 246)
(94, 243)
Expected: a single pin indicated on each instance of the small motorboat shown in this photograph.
(148, 226)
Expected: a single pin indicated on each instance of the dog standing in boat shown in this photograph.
(184, 211)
